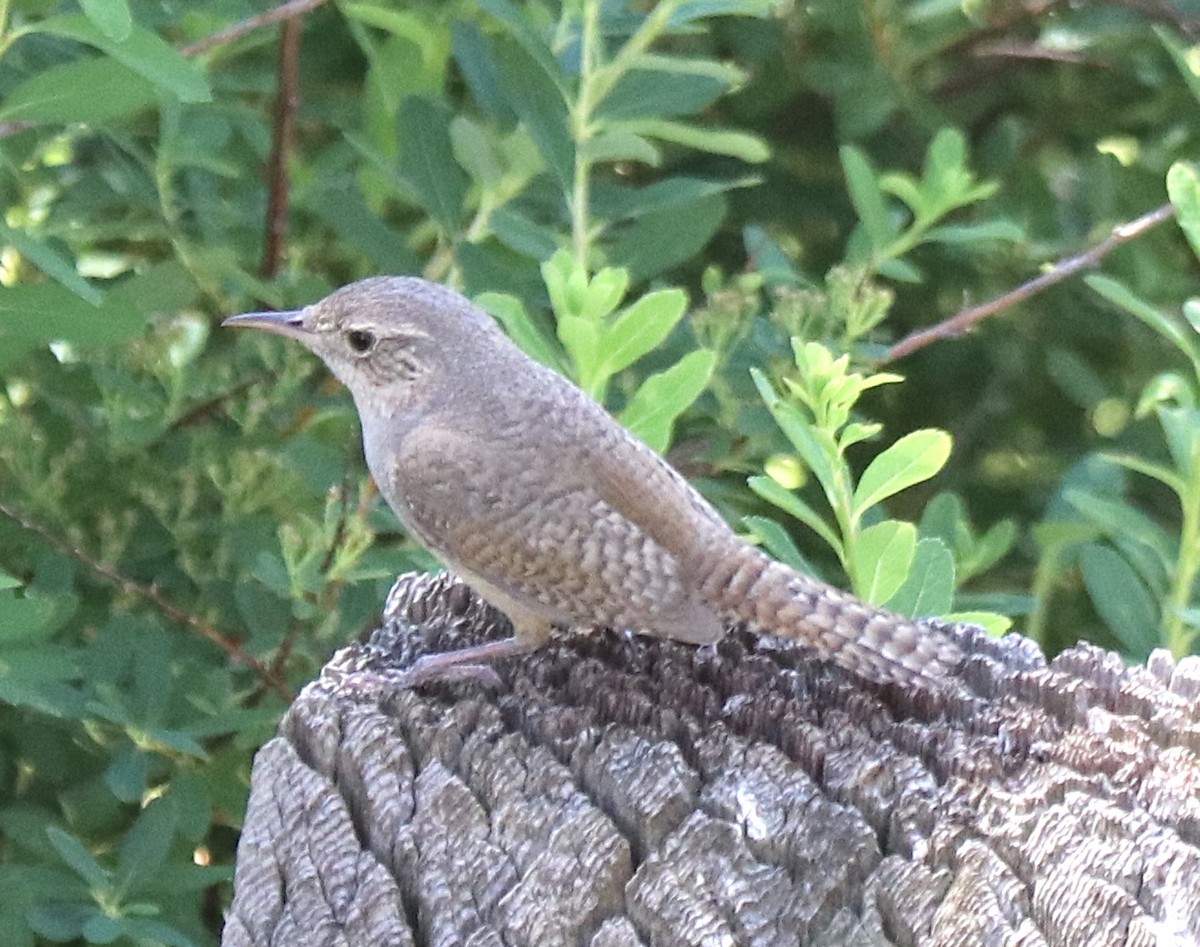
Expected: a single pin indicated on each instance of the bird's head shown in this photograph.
(387, 338)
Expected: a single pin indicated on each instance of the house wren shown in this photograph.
(547, 507)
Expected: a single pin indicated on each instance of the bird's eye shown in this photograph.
(360, 340)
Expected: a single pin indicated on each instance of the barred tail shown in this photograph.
(749, 586)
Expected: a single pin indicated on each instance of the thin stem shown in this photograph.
(287, 101)
(1177, 633)
(966, 319)
(284, 11)
(582, 130)
(208, 631)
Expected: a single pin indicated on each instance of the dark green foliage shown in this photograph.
(713, 214)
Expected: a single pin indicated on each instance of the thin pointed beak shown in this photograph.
(289, 323)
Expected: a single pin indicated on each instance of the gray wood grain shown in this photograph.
(617, 790)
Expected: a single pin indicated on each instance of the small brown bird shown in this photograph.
(547, 507)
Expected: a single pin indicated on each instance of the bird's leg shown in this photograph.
(473, 663)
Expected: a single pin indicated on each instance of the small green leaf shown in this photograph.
(146, 845)
(1121, 598)
(541, 107)
(866, 196)
(929, 588)
(520, 26)
(658, 240)
(791, 504)
(521, 328)
(620, 144)
(475, 151)
(604, 293)
(521, 234)
(641, 328)
(110, 17)
(1183, 186)
(748, 148)
(664, 396)
(144, 52)
(51, 262)
(913, 459)
(1182, 58)
(1182, 429)
(643, 93)
(1120, 295)
(72, 851)
(776, 541)
(1115, 518)
(90, 90)
(883, 555)
(961, 234)
(427, 160)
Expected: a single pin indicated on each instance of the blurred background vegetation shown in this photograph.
(717, 215)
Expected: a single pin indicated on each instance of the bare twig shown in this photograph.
(149, 593)
(287, 100)
(966, 319)
(285, 11)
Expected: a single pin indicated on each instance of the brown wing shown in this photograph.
(569, 516)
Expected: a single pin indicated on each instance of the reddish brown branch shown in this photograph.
(149, 593)
(285, 11)
(966, 319)
(287, 100)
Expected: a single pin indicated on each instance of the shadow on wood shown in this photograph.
(621, 790)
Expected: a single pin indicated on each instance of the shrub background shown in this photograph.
(189, 530)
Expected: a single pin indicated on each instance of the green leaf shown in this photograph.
(144, 52)
(47, 312)
(659, 240)
(521, 234)
(791, 504)
(620, 144)
(72, 851)
(749, 148)
(521, 328)
(541, 107)
(913, 459)
(1183, 186)
(866, 196)
(1121, 598)
(664, 396)
(687, 11)
(520, 26)
(641, 328)
(146, 845)
(1120, 295)
(616, 202)
(51, 262)
(474, 151)
(1183, 61)
(110, 17)
(427, 160)
(778, 543)
(929, 588)
(89, 90)
(643, 93)
(962, 234)
(1118, 519)
(882, 557)
(1182, 429)
(33, 616)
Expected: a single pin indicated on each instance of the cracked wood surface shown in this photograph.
(620, 790)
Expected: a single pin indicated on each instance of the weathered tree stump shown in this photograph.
(618, 790)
